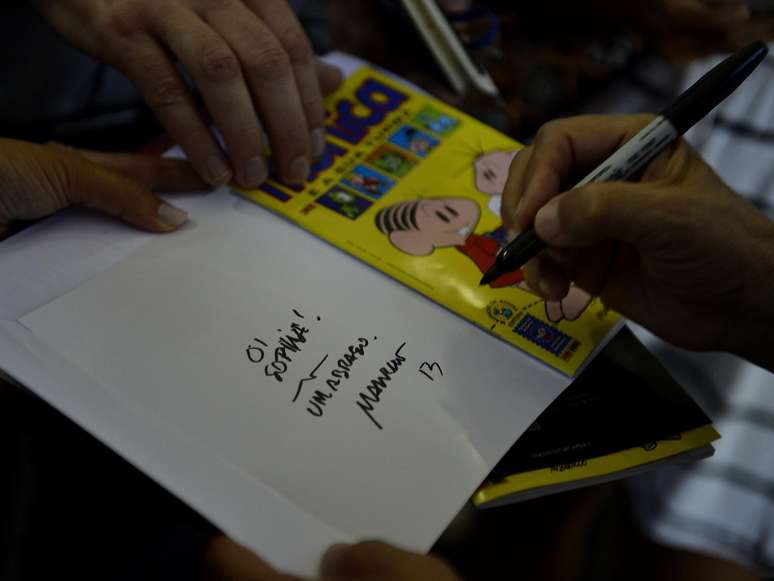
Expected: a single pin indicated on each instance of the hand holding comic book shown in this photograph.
(248, 60)
(678, 252)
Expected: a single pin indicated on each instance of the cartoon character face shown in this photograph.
(418, 227)
(342, 197)
(392, 161)
(356, 179)
(419, 145)
(492, 171)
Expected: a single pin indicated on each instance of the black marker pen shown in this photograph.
(703, 96)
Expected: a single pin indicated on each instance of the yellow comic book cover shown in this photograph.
(494, 493)
(412, 187)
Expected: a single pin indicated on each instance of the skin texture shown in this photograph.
(249, 60)
(367, 561)
(678, 252)
(38, 180)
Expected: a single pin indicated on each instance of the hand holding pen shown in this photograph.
(634, 153)
(678, 251)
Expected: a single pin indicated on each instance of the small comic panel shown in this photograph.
(368, 181)
(344, 202)
(433, 120)
(392, 161)
(412, 139)
(543, 335)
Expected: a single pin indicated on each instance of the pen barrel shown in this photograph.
(523, 248)
(635, 153)
(717, 84)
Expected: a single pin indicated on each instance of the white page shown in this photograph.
(166, 332)
(208, 470)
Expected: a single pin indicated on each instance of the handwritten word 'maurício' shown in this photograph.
(372, 394)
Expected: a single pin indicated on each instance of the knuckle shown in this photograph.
(671, 167)
(298, 48)
(270, 63)
(546, 131)
(123, 20)
(589, 208)
(218, 64)
(166, 91)
(60, 177)
(215, 5)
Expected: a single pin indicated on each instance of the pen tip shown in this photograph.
(489, 276)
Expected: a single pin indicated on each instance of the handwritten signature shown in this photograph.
(372, 394)
(292, 342)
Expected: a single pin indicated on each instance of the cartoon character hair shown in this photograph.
(399, 223)
(400, 217)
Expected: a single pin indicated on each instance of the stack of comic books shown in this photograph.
(622, 416)
(412, 187)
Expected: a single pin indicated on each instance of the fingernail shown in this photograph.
(218, 170)
(298, 170)
(511, 234)
(172, 216)
(254, 172)
(317, 141)
(547, 222)
(332, 556)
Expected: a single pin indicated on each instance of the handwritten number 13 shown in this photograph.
(427, 369)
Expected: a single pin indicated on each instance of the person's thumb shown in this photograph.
(377, 560)
(329, 77)
(97, 188)
(597, 212)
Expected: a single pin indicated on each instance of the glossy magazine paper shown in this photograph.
(412, 187)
